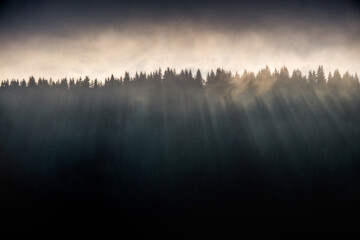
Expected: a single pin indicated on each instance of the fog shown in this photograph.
(164, 151)
(257, 153)
(101, 52)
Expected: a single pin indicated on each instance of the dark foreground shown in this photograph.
(180, 163)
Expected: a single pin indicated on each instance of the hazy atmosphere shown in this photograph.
(184, 119)
(78, 38)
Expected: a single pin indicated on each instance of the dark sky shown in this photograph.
(52, 15)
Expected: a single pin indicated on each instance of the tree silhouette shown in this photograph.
(32, 82)
(320, 77)
(220, 82)
(23, 84)
(312, 78)
(72, 84)
(64, 83)
(14, 84)
(335, 81)
(95, 86)
(127, 78)
(199, 81)
(160, 140)
(86, 83)
(297, 80)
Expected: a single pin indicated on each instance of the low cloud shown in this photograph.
(100, 52)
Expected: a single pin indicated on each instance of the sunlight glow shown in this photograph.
(100, 53)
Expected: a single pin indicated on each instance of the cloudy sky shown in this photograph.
(73, 38)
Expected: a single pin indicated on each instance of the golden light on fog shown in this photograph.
(100, 53)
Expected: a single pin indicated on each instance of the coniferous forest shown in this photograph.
(173, 151)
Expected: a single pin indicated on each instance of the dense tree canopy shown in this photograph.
(219, 80)
(217, 150)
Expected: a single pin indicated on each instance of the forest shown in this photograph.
(178, 150)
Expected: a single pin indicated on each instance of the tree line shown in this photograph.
(181, 143)
(219, 80)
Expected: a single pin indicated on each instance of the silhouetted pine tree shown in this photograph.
(32, 82)
(312, 78)
(198, 79)
(95, 86)
(127, 79)
(64, 84)
(297, 80)
(335, 82)
(23, 84)
(320, 78)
